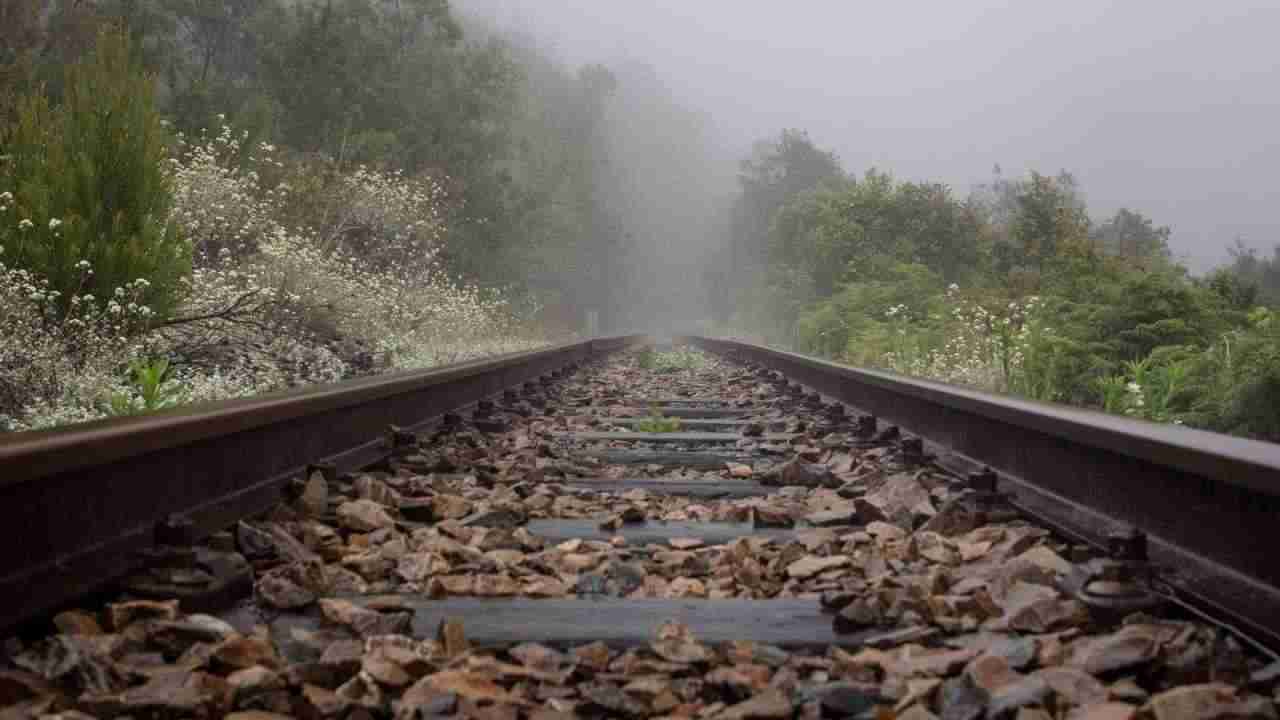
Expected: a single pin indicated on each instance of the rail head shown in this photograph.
(31, 455)
(1241, 462)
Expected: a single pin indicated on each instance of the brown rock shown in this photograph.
(1074, 685)
(940, 663)
(545, 587)
(77, 622)
(594, 656)
(424, 700)
(364, 516)
(368, 487)
(990, 672)
(279, 589)
(245, 652)
(810, 565)
(832, 518)
(1046, 559)
(858, 615)
(767, 517)
(1104, 711)
(799, 472)
(253, 681)
(172, 692)
(81, 662)
(738, 470)
(326, 702)
(952, 519)
(885, 532)
(1210, 701)
(675, 644)
(365, 621)
(1128, 647)
(539, 657)
(124, 613)
(314, 499)
(450, 507)
(469, 685)
(684, 587)
(451, 637)
(899, 501)
(771, 703)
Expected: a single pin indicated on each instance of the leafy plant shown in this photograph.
(151, 387)
(676, 360)
(656, 423)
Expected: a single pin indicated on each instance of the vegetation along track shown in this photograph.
(538, 552)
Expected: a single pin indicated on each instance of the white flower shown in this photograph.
(83, 265)
(54, 223)
(1133, 387)
(25, 224)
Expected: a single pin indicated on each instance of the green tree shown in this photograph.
(1047, 218)
(91, 200)
(1132, 236)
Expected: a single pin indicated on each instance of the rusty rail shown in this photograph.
(1209, 502)
(77, 505)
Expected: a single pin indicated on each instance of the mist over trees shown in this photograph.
(286, 192)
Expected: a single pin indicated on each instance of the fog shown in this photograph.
(1167, 108)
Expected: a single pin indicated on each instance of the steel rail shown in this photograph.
(78, 504)
(1208, 501)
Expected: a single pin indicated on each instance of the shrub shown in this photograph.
(57, 366)
(86, 184)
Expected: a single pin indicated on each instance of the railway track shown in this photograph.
(535, 536)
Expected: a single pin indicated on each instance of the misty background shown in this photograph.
(1068, 202)
(1166, 108)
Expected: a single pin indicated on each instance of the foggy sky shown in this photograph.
(1169, 107)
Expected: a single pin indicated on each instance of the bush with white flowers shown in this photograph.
(289, 287)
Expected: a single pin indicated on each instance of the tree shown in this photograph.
(1048, 216)
(91, 200)
(1132, 236)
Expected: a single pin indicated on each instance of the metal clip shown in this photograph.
(1120, 584)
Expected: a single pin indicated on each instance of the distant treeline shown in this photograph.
(1013, 288)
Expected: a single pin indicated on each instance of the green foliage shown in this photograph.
(670, 360)
(151, 387)
(656, 423)
(1052, 307)
(90, 197)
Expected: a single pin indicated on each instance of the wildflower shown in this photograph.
(25, 224)
(83, 265)
(54, 223)
(1133, 387)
